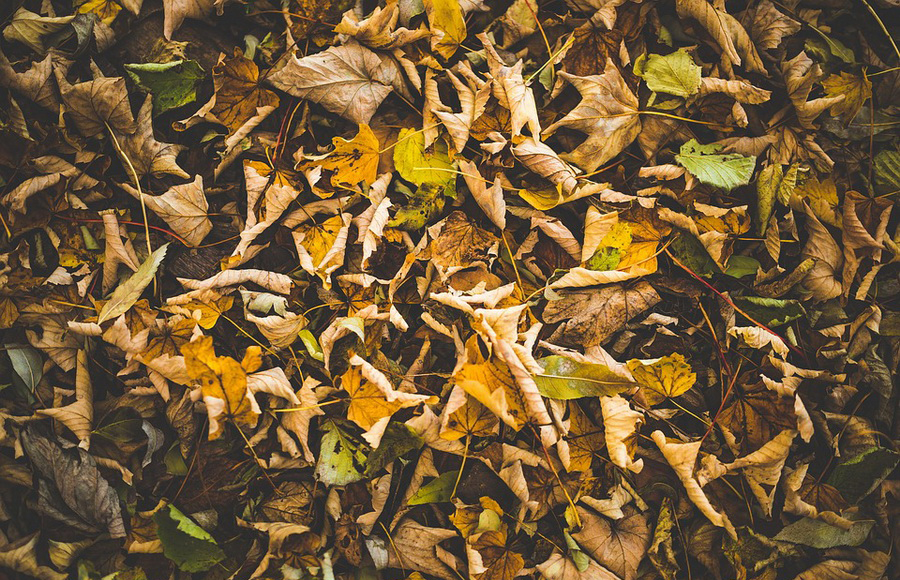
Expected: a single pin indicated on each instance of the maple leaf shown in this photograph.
(144, 152)
(379, 30)
(238, 94)
(352, 161)
(223, 385)
(183, 207)
(349, 80)
(97, 104)
(607, 113)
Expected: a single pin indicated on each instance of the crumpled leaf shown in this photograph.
(71, 488)
(20, 556)
(176, 11)
(95, 105)
(733, 40)
(30, 28)
(379, 30)
(620, 423)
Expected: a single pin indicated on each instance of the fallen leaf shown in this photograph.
(607, 114)
(668, 377)
(448, 29)
(618, 545)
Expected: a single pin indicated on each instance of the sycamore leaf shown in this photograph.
(673, 74)
(128, 292)
(353, 161)
(856, 90)
(349, 80)
(145, 153)
(566, 378)
(607, 114)
(223, 385)
(379, 30)
(97, 104)
(183, 207)
(448, 29)
(667, 377)
(726, 171)
(620, 545)
(342, 458)
(239, 96)
(172, 84)
(419, 166)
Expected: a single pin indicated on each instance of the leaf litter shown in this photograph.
(446, 289)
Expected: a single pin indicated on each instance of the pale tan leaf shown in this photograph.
(800, 74)
(541, 159)
(280, 330)
(34, 84)
(297, 419)
(607, 114)
(348, 80)
(759, 338)
(620, 422)
(95, 105)
(682, 458)
(144, 152)
(509, 88)
(30, 28)
(740, 91)
(176, 11)
(473, 93)
(490, 199)
(21, 556)
(733, 40)
(768, 26)
(78, 416)
(183, 207)
(379, 30)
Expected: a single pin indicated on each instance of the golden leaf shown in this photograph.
(238, 94)
(669, 376)
(355, 160)
(223, 383)
(491, 384)
(448, 29)
(856, 90)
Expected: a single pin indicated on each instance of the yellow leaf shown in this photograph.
(223, 383)
(368, 404)
(472, 419)
(170, 339)
(106, 10)
(317, 245)
(669, 376)
(855, 89)
(448, 29)
(491, 384)
(355, 160)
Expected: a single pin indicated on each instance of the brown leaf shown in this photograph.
(417, 547)
(607, 114)
(590, 317)
(183, 207)
(620, 545)
(349, 80)
(176, 11)
(144, 152)
(379, 30)
(461, 244)
(239, 96)
(95, 105)
(733, 40)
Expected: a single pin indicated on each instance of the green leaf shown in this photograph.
(692, 254)
(426, 203)
(565, 378)
(887, 172)
(818, 534)
(312, 345)
(726, 171)
(27, 364)
(128, 293)
(740, 266)
(342, 457)
(173, 84)
(398, 440)
(673, 74)
(858, 476)
(437, 490)
(185, 543)
(771, 311)
(419, 166)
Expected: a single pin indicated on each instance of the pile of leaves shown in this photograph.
(582, 289)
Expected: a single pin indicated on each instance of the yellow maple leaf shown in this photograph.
(368, 404)
(353, 161)
(856, 90)
(448, 28)
(669, 376)
(223, 384)
(106, 10)
(492, 385)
